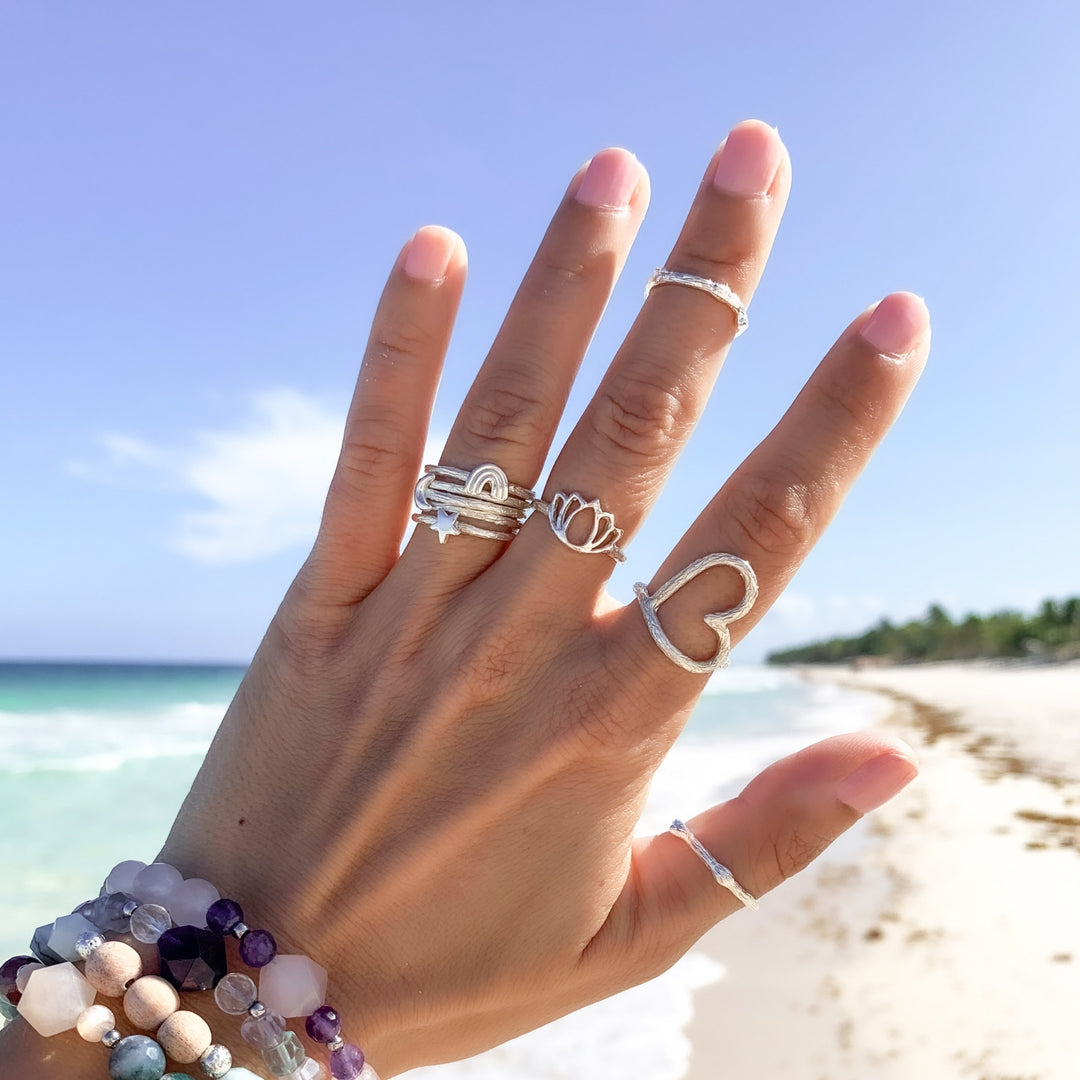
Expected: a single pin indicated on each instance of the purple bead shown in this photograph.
(324, 1024)
(222, 915)
(258, 948)
(9, 970)
(191, 958)
(107, 912)
(346, 1063)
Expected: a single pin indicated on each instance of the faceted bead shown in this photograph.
(156, 884)
(324, 1024)
(216, 1061)
(192, 959)
(185, 1036)
(263, 1032)
(223, 915)
(65, 932)
(235, 994)
(149, 922)
(9, 970)
(107, 912)
(149, 1001)
(346, 1062)
(137, 1057)
(54, 998)
(22, 976)
(286, 1057)
(293, 985)
(122, 876)
(258, 948)
(310, 1070)
(113, 967)
(94, 1021)
(367, 1072)
(238, 1073)
(39, 945)
(190, 902)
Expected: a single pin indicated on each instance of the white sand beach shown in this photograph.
(941, 938)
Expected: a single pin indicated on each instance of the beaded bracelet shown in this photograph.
(187, 921)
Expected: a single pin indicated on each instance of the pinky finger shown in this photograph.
(367, 508)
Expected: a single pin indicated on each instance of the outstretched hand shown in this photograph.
(430, 777)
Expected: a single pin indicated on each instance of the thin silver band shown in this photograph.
(463, 528)
(716, 289)
(457, 502)
(718, 870)
(603, 538)
(718, 622)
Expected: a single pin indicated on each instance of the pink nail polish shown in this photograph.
(429, 254)
(748, 160)
(876, 781)
(610, 180)
(896, 324)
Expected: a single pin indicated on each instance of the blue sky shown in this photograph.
(200, 203)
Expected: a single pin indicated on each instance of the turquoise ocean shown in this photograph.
(95, 760)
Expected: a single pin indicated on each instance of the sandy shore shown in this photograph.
(941, 938)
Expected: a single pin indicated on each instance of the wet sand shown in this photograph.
(941, 937)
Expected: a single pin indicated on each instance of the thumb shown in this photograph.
(784, 819)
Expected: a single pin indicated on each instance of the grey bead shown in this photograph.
(216, 1061)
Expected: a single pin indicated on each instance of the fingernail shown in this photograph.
(430, 252)
(876, 782)
(896, 324)
(748, 160)
(610, 180)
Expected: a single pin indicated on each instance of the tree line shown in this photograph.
(1053, 633)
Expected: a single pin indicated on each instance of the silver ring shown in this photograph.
(603, 538)
(718, 870)
(463, 502)
(718, 622)
(716, 289)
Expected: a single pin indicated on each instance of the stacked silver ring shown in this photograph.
(475, 502)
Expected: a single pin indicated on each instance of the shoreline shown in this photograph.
(939, 937)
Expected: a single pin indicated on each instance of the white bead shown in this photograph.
(122, 876)
(190, 901)
(156, 883)
(22, 976)
(54, 998)
(94, 1021)
(367, 1072)
(292, 985)
(65, 932)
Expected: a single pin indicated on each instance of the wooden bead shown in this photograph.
(149, 1001)
(184, 1036)
(112, 967)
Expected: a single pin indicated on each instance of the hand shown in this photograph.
(430, 778)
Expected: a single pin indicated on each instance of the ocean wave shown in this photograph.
(102, 740)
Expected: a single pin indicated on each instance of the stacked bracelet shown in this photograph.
(187, 921)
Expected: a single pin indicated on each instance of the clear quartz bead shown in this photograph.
(264, 1032)
(235, 994)
(287, 1057)
(149, 922)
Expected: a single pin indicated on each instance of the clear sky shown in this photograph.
(199, 203)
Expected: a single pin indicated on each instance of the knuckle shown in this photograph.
(849, 403)
(400, 338)
(775, 516)
(639, 418)
(371, 455)
(505, 414)
(563, 269)
(794, 852)
(732, 267)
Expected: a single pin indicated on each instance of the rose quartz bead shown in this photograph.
(292, 985)
(184, 1036)
(122, 875)
(94, 1021)
(55, 998)
(156, 883)
(22, 976)
(190, 900)
(149, 1001)
(112, 967)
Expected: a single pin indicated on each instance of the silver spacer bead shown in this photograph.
(111, 1038)
(239, 930)
(86, 943)
(129, 908)
(256, 1010)
(336, 1043)
(216, 1061)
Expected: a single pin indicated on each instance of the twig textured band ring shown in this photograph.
(718, 870)
(716, 289)
(456, 502)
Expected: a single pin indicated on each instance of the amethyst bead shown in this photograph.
(324, 1024)
(8, 970)
(258, 948)
(191, 958)
(346, 1063)
(222, 915)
